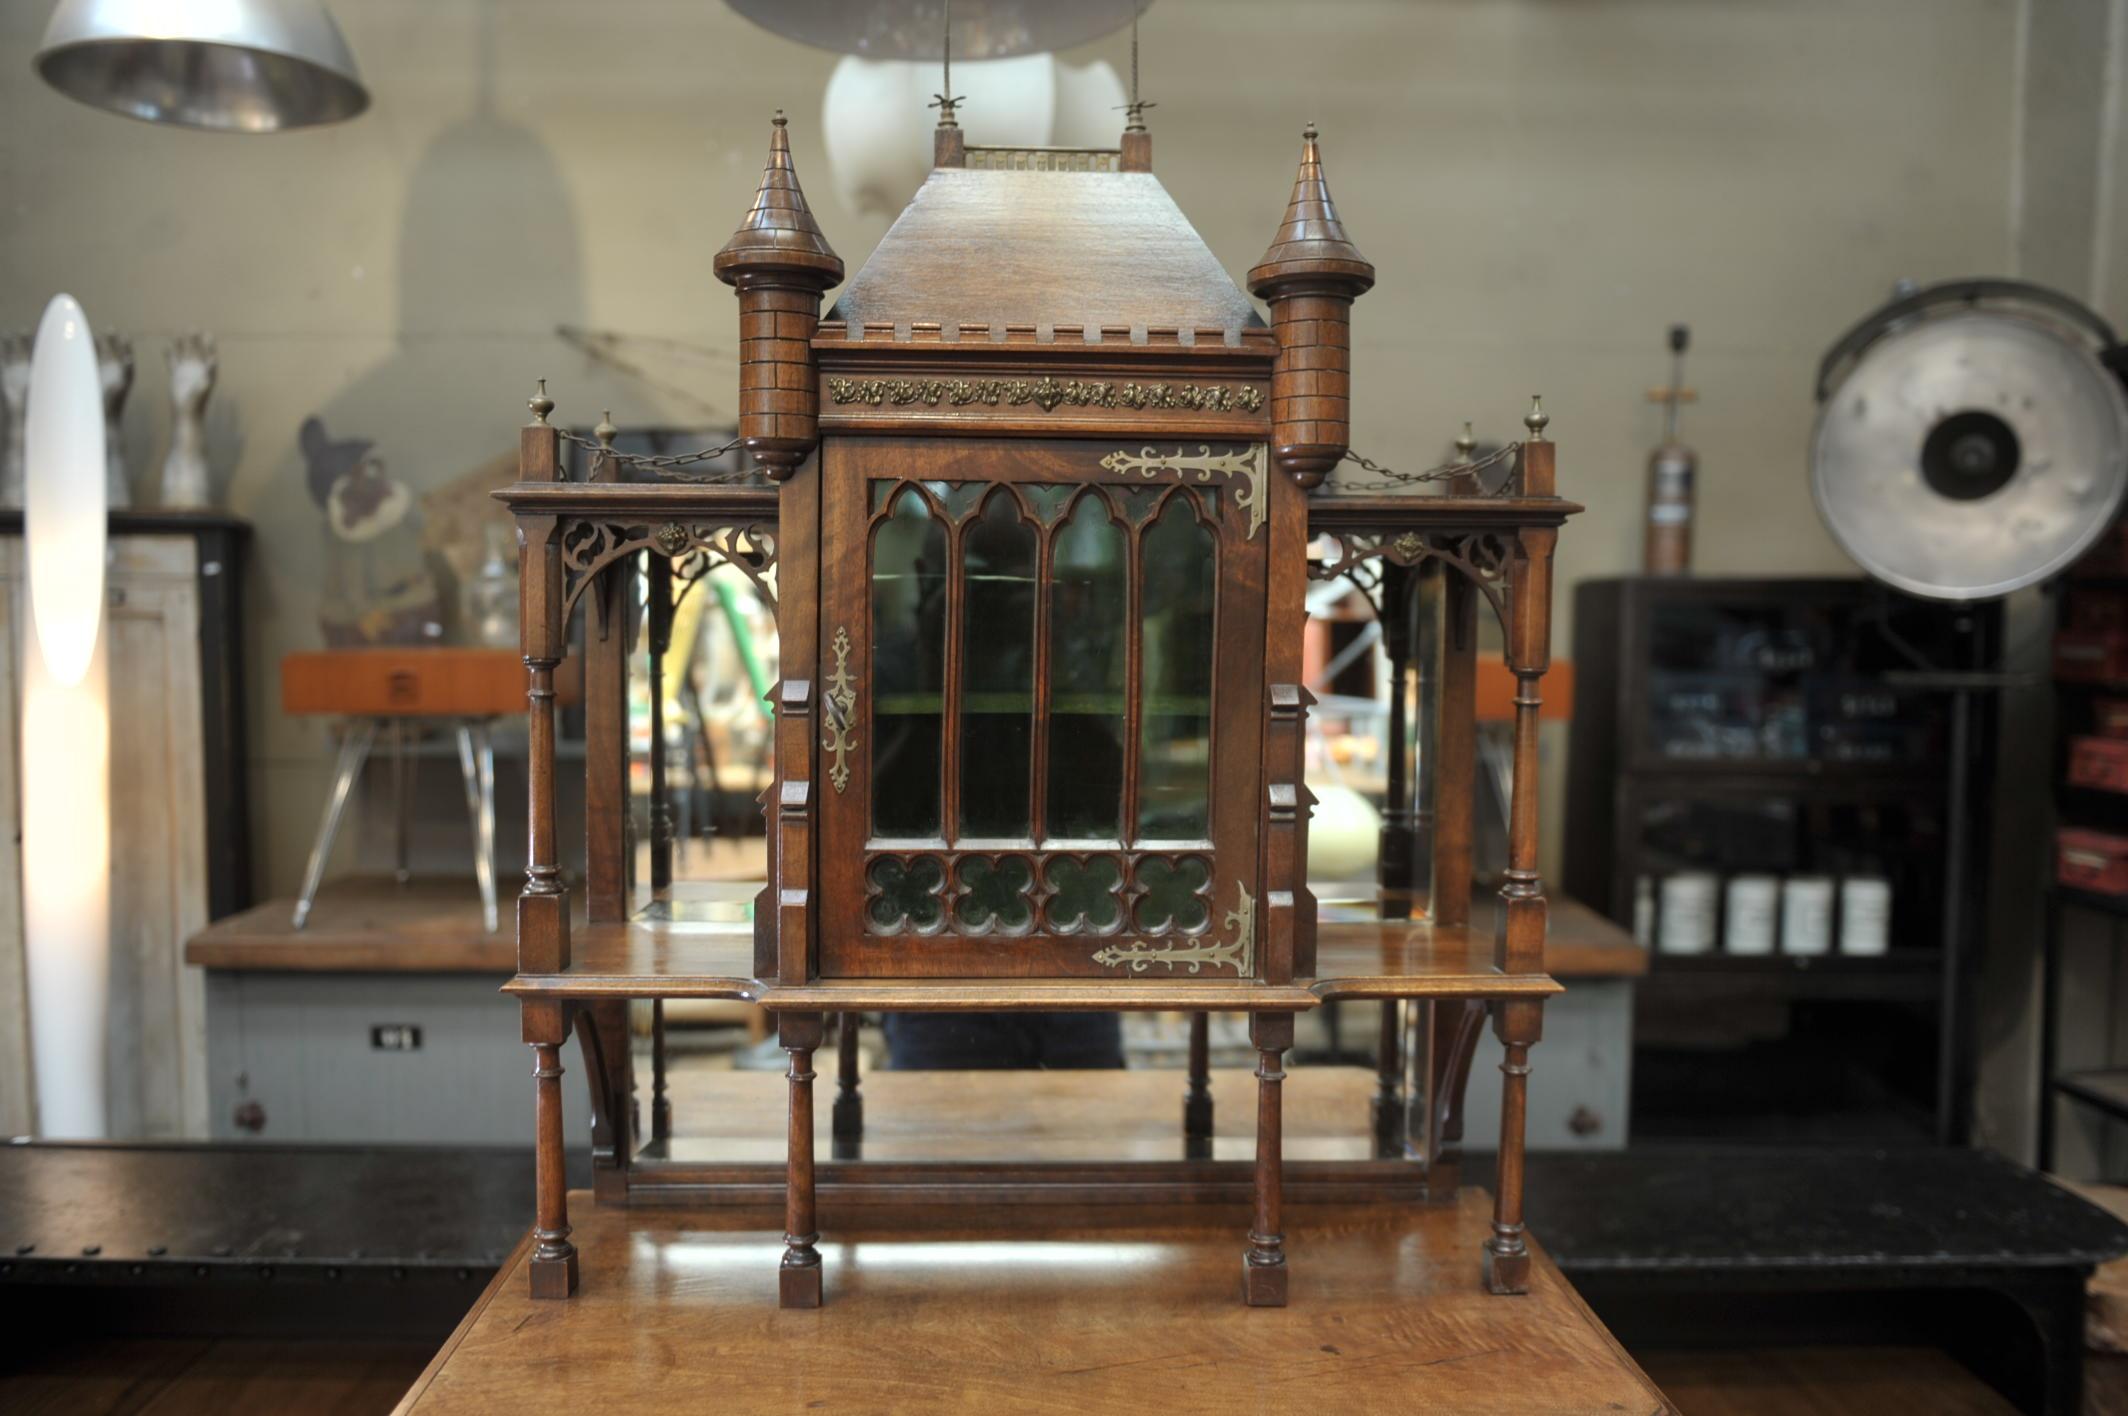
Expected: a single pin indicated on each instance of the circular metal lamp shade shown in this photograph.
(910, 29)
(238, 66)
(1969, 451)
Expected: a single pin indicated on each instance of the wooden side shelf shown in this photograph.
(698, 942)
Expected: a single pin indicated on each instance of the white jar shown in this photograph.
(1806, 915)
(1865, 915)
(1644, 911)
(1753, 912)
(1686, 921)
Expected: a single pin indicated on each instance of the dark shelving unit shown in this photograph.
(1784, 727)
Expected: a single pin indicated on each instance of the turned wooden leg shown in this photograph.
(1197, 1103)
(848, 1128)
(799, 1279)
(553, 1256)
(1518, 1025)
(1389, 1082)
(1263, 1270)
(660, 1103)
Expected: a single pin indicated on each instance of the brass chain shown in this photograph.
(668, 463)
(1447, 471)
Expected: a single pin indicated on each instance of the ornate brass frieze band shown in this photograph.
(837, 733)
(1238, 952)
(1046, 394)
(1248, 463)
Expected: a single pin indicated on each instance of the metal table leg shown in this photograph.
(476, 762)
(354, 751)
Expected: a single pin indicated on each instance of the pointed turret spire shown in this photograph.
(780, 264)
(1310, 277)
(1311, 241)
(779, 233)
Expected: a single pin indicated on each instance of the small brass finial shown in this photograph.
(1308, 133)
(1536, 420)
(540, 404)
(605, 430)
(779, 120)
(1466, 445)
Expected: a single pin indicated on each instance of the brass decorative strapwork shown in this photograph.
(839, 734)
(1247, 463)
(1239, 953)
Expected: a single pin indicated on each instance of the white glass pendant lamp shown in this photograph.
(65, 756)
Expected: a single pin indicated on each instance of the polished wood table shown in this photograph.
(1029, 1307)
(1131, 1310)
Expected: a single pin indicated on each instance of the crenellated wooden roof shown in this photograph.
(1103, 251)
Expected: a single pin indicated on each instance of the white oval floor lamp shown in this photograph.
(66, 737)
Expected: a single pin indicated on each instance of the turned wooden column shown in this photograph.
(798, 1280)
(848, 1121)
(660, 1103)
(543, 905)
(1197, 1102)
(657, 635)
(553, 1256)
(1388, 1115)
(1519, 944)
(1263, 1270)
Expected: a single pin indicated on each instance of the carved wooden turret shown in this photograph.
(1310, 276)
(780, 264)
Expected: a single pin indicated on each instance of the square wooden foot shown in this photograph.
(1263, 1285)
(554, 1278)
(1506, 1273)
(798, 1286)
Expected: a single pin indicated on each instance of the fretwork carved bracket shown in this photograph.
(694, 546)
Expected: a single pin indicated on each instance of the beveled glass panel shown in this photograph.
(996, 894)
(1179, 576)
(1174, 899)
(1085, 893)
(906, 894)
(908, 668)
(997, 670)
(1088, 642)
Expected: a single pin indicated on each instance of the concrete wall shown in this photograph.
(1544, 184)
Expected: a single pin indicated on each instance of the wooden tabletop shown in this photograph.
(1067, 1311)
(365, 924)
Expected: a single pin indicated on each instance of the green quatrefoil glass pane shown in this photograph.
(1085, 893)
(996, 895)
(1174, 900)
(906, 894)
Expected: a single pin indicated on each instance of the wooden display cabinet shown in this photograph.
(1044, 492)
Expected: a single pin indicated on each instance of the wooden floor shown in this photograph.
(938, 1310)
(197, 1377)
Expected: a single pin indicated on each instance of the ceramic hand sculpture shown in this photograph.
(114, 363)
(192, 369)
(15, 390)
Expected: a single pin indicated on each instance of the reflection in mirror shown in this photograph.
(908, 652)
(997, 675)
(1088, 644)
(1180, 561)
